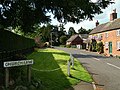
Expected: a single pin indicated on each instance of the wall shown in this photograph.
(112, 37)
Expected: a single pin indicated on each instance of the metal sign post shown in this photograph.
(6, 77)
(8, 64)
(29, 73)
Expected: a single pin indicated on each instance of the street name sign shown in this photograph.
(18, 63)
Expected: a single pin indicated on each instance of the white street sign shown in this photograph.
(18, 63)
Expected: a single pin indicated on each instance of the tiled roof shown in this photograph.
(75, 39)
(84, 36)
(72, 38)
(112, 25)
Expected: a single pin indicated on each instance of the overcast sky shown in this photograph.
(102, 18)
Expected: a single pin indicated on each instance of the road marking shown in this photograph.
(113, 65)
(96, 59)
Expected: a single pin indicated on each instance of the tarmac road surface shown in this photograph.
(104, 70)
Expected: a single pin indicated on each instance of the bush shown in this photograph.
(68, 46)
(62, 45)
(63, 40)
(93, 44)
(10, 41)
(99, 47)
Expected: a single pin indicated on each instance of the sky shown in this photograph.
(102, 18)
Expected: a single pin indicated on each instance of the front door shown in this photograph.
(110, 47)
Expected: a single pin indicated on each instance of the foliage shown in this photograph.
(99, 47)
(63, 40)
(10, 41)
(93, 44)
(18, 78)
(52, 70)
(27, 13)
(83, 31)
(71, 31)
(89, 30)
(68, 46)
(61, 27)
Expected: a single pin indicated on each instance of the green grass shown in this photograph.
(46, 60)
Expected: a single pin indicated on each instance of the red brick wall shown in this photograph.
(112, 37)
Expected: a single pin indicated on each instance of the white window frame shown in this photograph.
(118, 45)
(106, 34)
(106, 45)
(118, 32)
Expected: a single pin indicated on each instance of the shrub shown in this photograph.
(63, 40)
(99, 47)
(10, 41)
(68, 46)
(93, 44)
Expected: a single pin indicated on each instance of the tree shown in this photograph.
(71, 31)
(89, 30)
(82, 31)
(27, 13)
(63, 40)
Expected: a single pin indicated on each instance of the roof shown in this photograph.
(112, 25)
(73, 37)
(84, 36)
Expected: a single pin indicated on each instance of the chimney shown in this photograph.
(97, 23)
(113, 15)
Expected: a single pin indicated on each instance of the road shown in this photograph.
(104, 70)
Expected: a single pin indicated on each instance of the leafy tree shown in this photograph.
(89, 30)
(61, 27)
(27, 13)
(63, 40)
(71, 31)
(82, 31)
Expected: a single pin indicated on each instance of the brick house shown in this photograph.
(75, 40)
(109, 34)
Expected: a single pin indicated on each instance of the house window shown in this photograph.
(106, 34)
(118, 32)
(106, 45)
(118, 45)
(99, 37)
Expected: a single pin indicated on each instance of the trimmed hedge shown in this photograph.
(11, 42)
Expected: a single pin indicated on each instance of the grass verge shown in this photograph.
(50, 68)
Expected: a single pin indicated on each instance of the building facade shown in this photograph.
(109, 34)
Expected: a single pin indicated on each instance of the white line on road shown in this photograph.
(113, 65)
(96, 59)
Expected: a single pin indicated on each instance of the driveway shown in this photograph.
(104, 70)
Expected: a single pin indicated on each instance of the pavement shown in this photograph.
(104, 70)
(83, 86)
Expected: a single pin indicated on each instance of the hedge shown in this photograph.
(11, 42)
